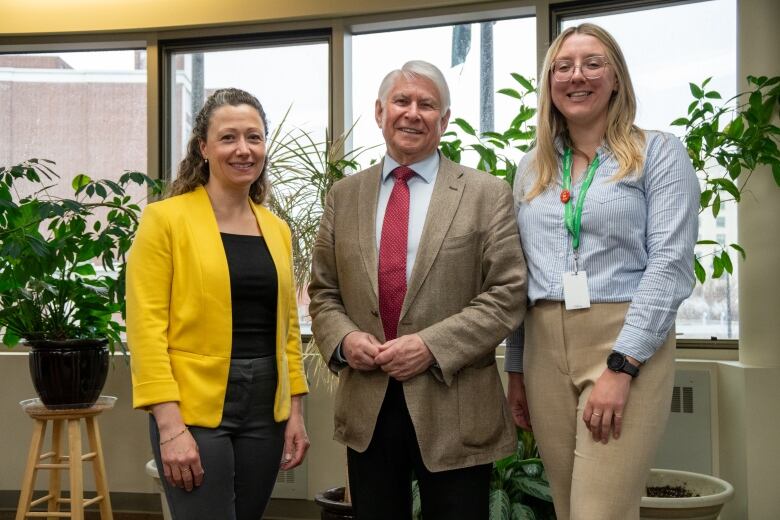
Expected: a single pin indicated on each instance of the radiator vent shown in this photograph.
(682, 399)
(688, 441)
(286, 477)
(292, 483)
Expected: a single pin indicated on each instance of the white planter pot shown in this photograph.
(713, 492)
(151, 470)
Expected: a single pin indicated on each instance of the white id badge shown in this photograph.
(575, 290)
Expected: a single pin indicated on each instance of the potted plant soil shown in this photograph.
(62, 275)
(682, 494)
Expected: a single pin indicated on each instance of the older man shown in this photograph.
(417, 276)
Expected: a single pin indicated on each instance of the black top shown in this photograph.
(253, 288)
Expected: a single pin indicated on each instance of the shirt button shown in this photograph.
(560, 255)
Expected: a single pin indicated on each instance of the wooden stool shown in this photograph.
(69, 420)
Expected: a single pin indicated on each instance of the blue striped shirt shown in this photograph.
(636, 243)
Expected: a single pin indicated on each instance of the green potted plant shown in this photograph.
(62, 275)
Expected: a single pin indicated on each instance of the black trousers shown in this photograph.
(241, 456)
(380, 478)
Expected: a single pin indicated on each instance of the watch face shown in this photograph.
(615, 361)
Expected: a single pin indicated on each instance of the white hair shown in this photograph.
(417, 69)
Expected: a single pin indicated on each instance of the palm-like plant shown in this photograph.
(302, 168)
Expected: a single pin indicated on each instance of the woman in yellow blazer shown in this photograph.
(212, 323)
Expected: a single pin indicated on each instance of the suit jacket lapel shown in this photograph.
(367, 201)
(445, 199)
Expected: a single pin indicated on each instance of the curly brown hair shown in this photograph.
(194, 170)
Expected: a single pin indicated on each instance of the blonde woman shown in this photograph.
(608, 220)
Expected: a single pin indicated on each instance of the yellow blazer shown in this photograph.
(179, 315)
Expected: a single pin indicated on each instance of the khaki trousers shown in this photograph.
(565, 353)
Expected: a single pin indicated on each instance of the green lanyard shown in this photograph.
(573, 217)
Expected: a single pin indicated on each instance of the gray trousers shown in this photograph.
(240, 457)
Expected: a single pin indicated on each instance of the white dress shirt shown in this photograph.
(420, 191)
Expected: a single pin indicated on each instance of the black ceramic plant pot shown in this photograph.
(332, 505)
(69, 374)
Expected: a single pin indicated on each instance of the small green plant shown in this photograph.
(50, 247)
(518, 486)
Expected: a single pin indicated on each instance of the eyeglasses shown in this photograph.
(590, 68)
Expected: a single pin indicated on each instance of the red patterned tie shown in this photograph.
(392, 253)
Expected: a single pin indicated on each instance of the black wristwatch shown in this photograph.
(617, 362)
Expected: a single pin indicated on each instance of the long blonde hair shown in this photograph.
(625, 140)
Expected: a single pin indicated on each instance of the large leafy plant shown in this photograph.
(62, 259)
(727, 143)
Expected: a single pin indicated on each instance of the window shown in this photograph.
(690, 42)
(84, 110)
(262, 69)
(290, 78)
(472, 56)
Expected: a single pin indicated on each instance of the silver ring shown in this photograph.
(185, 469)
(596, 414)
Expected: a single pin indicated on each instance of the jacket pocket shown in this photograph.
(480, 405)
(457, 242)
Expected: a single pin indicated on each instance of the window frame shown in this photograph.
(548, 13)
(243, 41)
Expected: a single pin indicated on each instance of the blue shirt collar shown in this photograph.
(427, 168)
(603, 151)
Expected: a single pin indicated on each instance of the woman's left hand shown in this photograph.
(604, 409)
(296, 441)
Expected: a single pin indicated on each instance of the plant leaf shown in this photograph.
(499, 505)
(523, 81)
(716, 206)
(740, 249)
(510, 92)
(465, 126)
(80, 181)
(699, 271)
(521, 512)
(535, 487)
(735, 128)
(697, 92)
(727, 185)
(717, 267)
(726, 261)
(85, 270)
